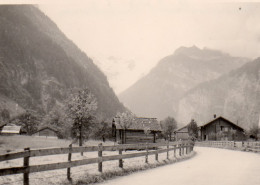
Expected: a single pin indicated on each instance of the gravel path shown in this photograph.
(210, 166)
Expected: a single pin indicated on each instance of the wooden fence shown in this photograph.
(146, 150)
(253, 146)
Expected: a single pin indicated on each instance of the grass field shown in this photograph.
(19, 142)
(85, 174)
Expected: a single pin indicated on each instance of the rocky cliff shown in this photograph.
(235, 96)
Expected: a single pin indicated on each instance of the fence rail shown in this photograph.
(253, 146)
(27, 153)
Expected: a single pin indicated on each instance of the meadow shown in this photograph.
(82, 174)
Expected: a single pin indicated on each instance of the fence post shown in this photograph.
(26, 161)
(167, 149)
(120, 160)
(69, 159)
(146, 156)
(100, 149)
(156, 155)
(174, 151)
(179, 149)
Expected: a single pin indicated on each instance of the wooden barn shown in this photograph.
(46, 132)
(142, 130)
(11, 130)
(181, 133)
(220, 129)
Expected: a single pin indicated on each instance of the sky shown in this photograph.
(127, 38)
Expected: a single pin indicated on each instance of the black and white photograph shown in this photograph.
(129, 92)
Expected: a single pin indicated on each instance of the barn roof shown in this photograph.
(11, 129)
(182, 129)
(220, 117)
(46, 127)
(140, 124)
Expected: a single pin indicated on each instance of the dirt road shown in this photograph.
(210, 166)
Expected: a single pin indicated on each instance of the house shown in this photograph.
(181, 133)
(141, 130)
(221, 129)
(11, 130)
(46, 132)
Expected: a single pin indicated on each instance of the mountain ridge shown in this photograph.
(157, 93)
(39, 64)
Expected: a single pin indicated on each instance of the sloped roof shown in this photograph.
(47, 127)
(182, 129)
(12, 129)
(140, 124)
(220, 117)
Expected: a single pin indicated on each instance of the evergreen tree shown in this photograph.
(193, 130)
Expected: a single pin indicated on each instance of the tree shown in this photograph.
(193, 130)
(253, 132)
(80, 109)
(126, 119)
(5, 114)
(28, 121)
(56, 119)
(102, 131)
(168, 125)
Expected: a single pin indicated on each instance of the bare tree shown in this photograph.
(168, 125)
(81, 108)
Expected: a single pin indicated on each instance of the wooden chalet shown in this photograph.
(142, 130)
(46, 132)
(11, 130)
(221, 129)
(181, 133)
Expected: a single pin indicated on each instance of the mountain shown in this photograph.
(39, 64)
(235, 96)
(157, 94)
